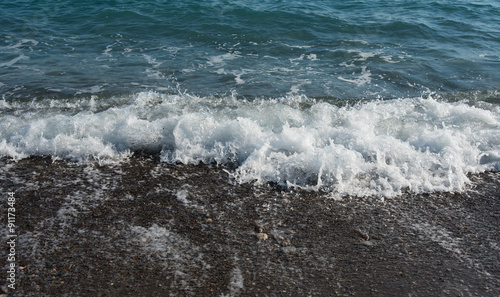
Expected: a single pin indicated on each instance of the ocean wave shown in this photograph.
(382, 147)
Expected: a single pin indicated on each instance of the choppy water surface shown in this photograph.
(273, 87)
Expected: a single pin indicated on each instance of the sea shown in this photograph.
(359, 98)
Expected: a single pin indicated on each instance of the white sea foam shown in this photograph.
(152, 61)
(441, 236)
(312, 57)
(14, 61)
(24, 43)
(236, 283)
(364, 78)
(176, 254)
(220, 60)
(389, 59)
(375, 148)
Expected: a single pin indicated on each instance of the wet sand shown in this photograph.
(148, 229)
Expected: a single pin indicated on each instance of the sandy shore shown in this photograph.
(149, 229)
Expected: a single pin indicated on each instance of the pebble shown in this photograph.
(262, 236)
(367, 243)
(289, 249)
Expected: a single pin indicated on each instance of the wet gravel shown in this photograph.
(143, 228)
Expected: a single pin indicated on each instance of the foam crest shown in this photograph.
(376, 148)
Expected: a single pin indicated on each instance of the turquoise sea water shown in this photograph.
(262, 85)
(340, 49)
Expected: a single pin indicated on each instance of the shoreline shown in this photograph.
(145, 228)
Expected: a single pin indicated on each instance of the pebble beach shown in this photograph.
(144, 228)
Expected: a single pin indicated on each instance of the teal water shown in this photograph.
(339, 49)
(350, 97)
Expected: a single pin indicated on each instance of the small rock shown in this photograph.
(367, 243)
(288, 249)
(262, 236)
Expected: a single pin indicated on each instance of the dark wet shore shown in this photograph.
(149, 229)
